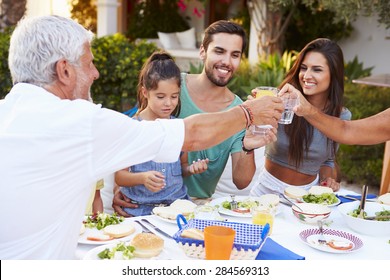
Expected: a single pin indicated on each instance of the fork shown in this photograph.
(321, 238)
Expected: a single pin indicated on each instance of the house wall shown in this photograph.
(370, 43)
(47, 7)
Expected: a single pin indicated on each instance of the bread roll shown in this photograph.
(166, 212)
(295, 192)
(318, 190)
(193, 233)
(384, 198)
(269, 200)
(184, 206)
(147, 245)
(119, 230)
(179, 206)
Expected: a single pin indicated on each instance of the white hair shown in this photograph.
(37, 43)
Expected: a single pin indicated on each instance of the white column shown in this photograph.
(253, 54)
(107, 17)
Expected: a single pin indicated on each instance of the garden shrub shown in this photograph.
(5, 75)
(363, 164)
(119, 62)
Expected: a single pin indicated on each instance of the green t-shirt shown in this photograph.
(203, 185)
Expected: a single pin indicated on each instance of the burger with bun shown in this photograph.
(147, 245)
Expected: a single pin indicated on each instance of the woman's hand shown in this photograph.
(304, 108)
(331, 183)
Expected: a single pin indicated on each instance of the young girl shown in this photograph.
(303, 156)
(151, 184)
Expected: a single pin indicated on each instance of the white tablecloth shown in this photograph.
(286, 231)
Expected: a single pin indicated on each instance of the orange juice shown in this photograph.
(266, 91)
(262, 216)
(263, 92)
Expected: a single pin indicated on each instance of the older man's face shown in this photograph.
(86, 73)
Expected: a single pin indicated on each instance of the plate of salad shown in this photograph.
(92, 232)
(328, 199)
(244, 205)
(120, 251)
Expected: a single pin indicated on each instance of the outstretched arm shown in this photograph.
(368, 131)
(209, 129)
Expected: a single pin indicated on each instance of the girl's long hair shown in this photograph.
(300, 132)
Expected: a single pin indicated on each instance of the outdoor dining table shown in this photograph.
(286, 230)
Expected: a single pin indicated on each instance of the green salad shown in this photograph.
(325, 198)
(384, 213)
(248, 204)
(126, 250)
(101, 220)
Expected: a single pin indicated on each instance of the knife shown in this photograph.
(145, 229)
(157, 229)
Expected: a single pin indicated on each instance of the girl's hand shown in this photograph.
(198, 166)
(154, 181)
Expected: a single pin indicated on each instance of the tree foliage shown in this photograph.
(273, 17)
(11, 12)
(85, 13)
(151, 16)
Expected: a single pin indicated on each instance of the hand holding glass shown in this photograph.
(287, 115)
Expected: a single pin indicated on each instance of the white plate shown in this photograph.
(219, 201)
(94, 231)
(310, 237)
(93, 253)
(164, 219)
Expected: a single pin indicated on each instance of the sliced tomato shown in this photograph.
(242, 210)
(346, 246)
(96, 238)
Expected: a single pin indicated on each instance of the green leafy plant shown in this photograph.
(363, 164)
(269, 71)
(119, 62)
(355, 69)
(5, 75)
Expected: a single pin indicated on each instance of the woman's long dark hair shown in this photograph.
(160, 66)
(300, 132)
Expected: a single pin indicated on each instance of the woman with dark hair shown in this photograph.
(303, 156)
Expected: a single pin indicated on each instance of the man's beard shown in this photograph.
(78, 90)
(216, 81)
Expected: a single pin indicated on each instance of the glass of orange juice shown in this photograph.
(260, 92)
(266, 91)
(263, 215)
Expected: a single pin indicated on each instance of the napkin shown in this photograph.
(272, 250)
(344, 199)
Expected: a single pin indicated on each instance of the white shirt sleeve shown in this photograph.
(120, 141)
